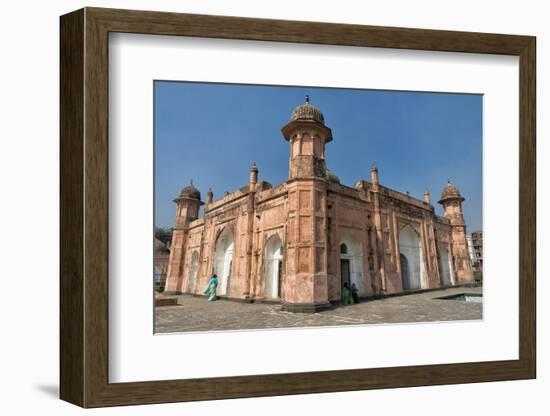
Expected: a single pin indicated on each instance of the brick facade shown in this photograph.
(296, 242)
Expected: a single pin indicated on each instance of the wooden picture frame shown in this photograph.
(84, 207)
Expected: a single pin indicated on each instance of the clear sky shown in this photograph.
(212, 133)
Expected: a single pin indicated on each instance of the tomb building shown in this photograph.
(298, 242)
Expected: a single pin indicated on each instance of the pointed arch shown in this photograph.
(273, 261)
(223, 259)
(410, 249)
(446, 268)
(351, 263)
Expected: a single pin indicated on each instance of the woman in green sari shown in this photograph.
(347, 298)
(210, 290)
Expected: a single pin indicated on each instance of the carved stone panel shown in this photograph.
(291, 230)
(305, 200)
(319, 259)
(304, 259)
(305, 229)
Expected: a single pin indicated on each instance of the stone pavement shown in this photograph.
(197, 314)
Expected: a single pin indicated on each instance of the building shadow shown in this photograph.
(49, 390)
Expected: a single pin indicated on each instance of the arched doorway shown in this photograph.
(351, 264)
(446, 269)
(273, 261)
(192, 280)
(223, 258)
(410, 258)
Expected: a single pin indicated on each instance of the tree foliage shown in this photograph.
(163, 234)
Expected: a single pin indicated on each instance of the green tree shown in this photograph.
(163, 234)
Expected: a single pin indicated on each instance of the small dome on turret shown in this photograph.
(190, 192)
(307, 119)
(307, 112)
(450, 192)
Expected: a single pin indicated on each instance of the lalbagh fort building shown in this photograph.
(298, 242)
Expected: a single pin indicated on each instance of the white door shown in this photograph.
(226, 273)
(223, 260)
(445, 267)
(272, 267)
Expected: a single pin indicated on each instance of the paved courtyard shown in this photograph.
(197, 314)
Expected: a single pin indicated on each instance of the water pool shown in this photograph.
(465, 297)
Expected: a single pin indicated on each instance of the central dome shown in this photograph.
(331, 176)
(307, 112)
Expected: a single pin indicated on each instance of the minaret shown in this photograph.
(427, 198)
(209, 196)
(451, 200)
(374, 176)
(253, 177)
(305, 278)
(188, 203)
(307, 134)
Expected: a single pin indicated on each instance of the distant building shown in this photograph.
(160, 261)
(471, 249)
(477, 246)
(300, 242)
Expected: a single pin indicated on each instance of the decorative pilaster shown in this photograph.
(378, 235)
(250, 210)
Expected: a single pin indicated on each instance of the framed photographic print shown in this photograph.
(255, 207)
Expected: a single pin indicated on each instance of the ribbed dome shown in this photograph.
(307, 112)
(331, 176)
(450, 192)
(190, 192)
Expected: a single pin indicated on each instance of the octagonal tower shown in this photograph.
(188, 203)
(451, 200)
(305, 282)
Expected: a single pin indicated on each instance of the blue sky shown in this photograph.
(212, 133)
